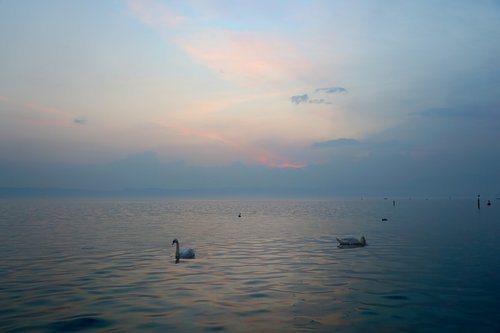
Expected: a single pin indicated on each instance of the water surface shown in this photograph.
(108, 266)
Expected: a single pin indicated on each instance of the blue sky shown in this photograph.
(319, 96)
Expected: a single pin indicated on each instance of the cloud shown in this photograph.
(299, 99)
(332, 90)
(342, 142)
(79, 120)
(270, 157)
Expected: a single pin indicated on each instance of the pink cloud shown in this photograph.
(275, 162)
(244, 54)
(49, 116)
(288, 165)
(259, 155)
(37, 114)
(192, 132)
(234, 54)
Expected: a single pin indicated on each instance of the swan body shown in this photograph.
(351, 242)
(185, 253)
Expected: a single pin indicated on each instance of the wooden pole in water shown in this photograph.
(478, 201)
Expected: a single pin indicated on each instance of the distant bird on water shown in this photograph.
(351, 242)
(185, 253)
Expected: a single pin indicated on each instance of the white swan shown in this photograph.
(351, 242)
(186, 253)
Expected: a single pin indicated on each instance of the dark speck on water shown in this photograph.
(396, 297)
(108, 266)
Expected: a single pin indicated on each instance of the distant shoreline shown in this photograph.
(223, 193)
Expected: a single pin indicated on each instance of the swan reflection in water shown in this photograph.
(351, 242)
(185, 253)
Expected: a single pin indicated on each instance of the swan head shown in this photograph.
(175, 241)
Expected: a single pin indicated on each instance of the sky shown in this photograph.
(307, 97)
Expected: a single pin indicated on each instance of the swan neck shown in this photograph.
(176, 250)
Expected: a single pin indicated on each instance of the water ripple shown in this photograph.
(79, 324)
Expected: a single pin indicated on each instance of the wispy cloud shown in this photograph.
(243, 55)
(342, 142)
(468, 112)
(332, 90)
(38, 114)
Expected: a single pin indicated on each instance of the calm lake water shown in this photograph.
(108, 266)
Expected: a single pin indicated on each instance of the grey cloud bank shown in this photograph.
(385, 168)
